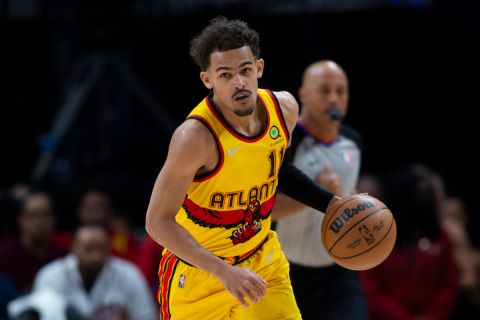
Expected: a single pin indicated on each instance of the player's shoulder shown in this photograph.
(286, 99)
(192, 143)
(192, 133)
(289, 108)
(352, 134)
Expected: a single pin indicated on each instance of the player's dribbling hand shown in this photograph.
(243, 282)
(334, 200)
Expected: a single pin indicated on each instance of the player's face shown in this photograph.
(233, 77)
(322, 90)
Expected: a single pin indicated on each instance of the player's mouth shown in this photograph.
(242, 96)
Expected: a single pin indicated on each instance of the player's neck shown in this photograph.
(249, 125)
(327, 132)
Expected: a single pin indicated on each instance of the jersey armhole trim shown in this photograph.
(214, 171)
(279, 114)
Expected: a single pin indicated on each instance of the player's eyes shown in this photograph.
(225, 75)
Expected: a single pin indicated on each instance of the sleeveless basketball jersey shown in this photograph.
(228, 209)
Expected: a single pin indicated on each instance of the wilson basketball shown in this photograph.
(358, 232)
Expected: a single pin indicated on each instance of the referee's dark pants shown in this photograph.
(328, 293)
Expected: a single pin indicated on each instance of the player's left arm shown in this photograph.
(292, 181)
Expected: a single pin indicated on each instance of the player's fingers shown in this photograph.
(257, 289)
(258, 286)
(240, 298)
(250, 295)
(261, 287)
(258, 292)
(261, 282)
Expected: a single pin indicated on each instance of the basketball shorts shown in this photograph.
(186, 292)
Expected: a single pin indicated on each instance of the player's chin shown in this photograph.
(243, 107)
(243, 112)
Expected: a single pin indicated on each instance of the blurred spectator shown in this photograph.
(454, 221)
(96, 285)
(96, 207)
(7, 294)
(43, 304)
(10, 200)
(419, 280)
(23, 255)
(149, 261)
(371, 184)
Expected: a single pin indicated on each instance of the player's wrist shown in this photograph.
(333, 201)
(218, 268)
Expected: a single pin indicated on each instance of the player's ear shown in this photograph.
(260, 67)
(206, 79)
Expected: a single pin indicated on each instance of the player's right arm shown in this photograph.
(192, 149)
(292, 181)
(285, 206)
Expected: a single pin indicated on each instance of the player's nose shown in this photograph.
(239, 82)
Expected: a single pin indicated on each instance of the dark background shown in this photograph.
(413, 73)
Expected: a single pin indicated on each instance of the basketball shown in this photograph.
(358, 232)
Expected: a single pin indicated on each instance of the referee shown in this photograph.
(329, 153)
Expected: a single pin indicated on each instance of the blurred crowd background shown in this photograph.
(92, 90)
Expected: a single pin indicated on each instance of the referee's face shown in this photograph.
(324, 87)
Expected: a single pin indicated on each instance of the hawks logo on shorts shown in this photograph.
(247, 222)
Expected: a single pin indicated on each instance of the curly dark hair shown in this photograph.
(222, 34)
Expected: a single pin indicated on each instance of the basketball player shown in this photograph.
(211, 204)
(330, 153)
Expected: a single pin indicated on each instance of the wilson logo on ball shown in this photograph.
(347, 214)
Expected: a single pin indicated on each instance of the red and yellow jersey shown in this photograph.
(228, 209)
